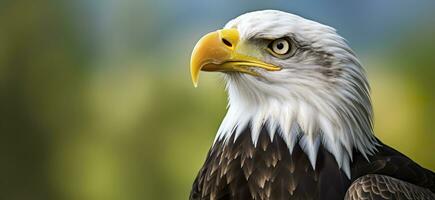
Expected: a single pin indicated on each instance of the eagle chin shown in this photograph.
(299, 121)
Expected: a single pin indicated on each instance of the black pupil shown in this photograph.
(280, 46)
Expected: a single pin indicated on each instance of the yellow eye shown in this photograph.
(280, 46)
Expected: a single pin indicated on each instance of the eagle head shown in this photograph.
(295, 77)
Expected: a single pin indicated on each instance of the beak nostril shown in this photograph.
(226, 42)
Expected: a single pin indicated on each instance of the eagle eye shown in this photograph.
(281, 48)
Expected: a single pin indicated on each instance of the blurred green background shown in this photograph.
(96, 101)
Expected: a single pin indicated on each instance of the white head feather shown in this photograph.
(320, 97)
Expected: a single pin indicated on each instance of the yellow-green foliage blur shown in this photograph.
(96, 101)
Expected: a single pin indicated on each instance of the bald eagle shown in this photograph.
(299, 120)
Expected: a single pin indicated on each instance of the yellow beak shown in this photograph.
(216, 52)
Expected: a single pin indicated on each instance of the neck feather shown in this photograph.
(339, 122)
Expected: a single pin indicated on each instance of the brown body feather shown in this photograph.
(239, 170)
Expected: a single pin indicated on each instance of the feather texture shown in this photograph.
(379, 187)
(240, 170)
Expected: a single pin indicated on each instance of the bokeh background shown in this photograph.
(96, 101)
